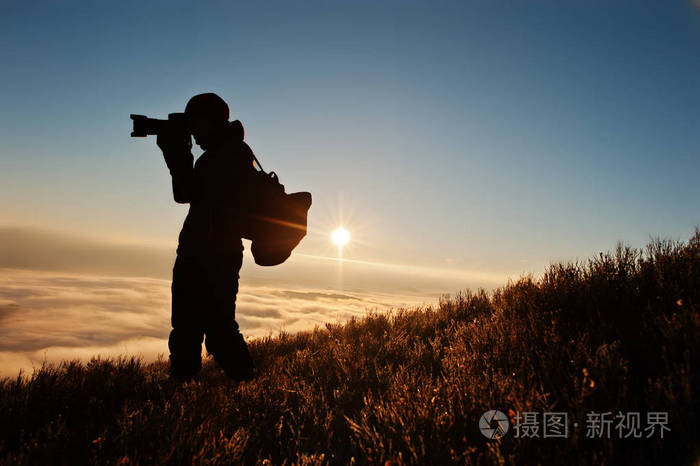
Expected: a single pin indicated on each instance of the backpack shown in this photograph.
(275, 221)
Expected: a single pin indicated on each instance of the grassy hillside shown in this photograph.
(619, 333)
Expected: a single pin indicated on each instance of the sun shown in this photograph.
(340, 237)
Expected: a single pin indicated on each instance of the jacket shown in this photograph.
(216, 187)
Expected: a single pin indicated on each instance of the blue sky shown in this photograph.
(493, 136)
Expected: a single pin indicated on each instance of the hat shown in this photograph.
(208, 106)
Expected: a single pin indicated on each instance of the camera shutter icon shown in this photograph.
(493, 424)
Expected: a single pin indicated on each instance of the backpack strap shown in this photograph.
(257, 161)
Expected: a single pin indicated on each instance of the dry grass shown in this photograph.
(404, 387)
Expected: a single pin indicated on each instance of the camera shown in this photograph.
(143, 126)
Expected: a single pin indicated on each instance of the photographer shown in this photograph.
(210, 251)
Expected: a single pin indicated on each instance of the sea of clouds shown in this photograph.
(53, 316)
(65, 298)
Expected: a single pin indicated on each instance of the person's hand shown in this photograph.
(174, 142)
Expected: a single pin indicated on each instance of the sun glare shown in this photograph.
(340, 237)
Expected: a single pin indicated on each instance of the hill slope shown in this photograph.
(618, 334)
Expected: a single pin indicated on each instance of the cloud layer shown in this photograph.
(54, 316)
(64, 296)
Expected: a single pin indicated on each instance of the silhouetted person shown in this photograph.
(210, 251)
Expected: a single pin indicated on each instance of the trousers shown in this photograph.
(204, 304)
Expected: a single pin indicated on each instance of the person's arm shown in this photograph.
(179, 159)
